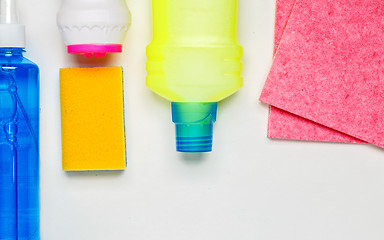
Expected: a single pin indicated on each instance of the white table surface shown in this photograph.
(248, 188)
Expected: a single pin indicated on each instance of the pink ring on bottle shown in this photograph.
(97, 50)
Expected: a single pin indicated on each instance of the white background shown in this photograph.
(248, 188)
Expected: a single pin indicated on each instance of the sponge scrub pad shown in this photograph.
(92, 119)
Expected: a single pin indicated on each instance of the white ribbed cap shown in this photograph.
(93, 21)
(12, 34)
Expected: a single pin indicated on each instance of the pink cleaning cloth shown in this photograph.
(329, 69)
(283, 12)
(285, 125)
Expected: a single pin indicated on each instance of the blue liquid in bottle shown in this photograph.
(19, 146)
(19, 132)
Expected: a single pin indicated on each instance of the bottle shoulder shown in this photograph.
(18, 61)
(29, 63)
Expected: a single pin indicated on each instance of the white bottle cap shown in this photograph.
(12, 34)
(93, 26)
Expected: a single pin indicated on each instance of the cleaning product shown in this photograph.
(19, 132)
(194, 60)
(92, 119)
(93, 27)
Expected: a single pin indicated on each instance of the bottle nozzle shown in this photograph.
(194, 125)
(8, 12)
(12, 34)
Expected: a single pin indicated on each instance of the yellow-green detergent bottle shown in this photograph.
(194, 60)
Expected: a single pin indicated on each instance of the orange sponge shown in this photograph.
(92, 119)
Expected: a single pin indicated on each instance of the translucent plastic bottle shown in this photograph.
(19, 132)
(194, 61)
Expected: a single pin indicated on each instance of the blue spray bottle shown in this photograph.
(19, 132)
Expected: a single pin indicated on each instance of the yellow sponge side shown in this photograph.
(92, 119)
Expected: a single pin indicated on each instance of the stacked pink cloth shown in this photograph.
(327, 79)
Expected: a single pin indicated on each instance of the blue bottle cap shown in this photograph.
(194, 125)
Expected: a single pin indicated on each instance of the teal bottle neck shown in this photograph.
(194, 125)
